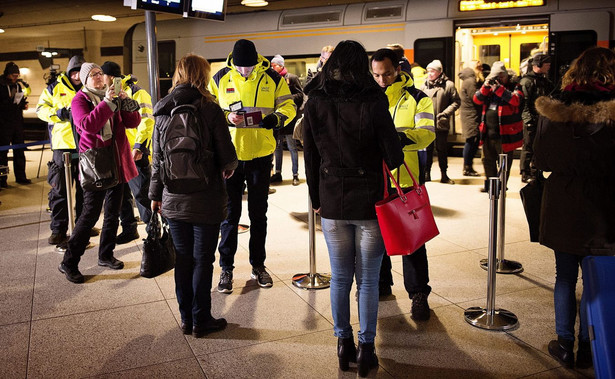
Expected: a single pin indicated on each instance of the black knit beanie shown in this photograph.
(111, 69)
(11, 68)
(244, 53)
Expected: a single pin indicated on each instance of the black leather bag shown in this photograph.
(158, 250)
(97, 169)
(531, 197)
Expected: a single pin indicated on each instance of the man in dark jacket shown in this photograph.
(533, 84)
(286, 133)
(13, 93)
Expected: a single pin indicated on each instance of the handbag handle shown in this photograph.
(387, 174)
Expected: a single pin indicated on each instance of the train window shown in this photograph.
(373, 13)
(313, 18)
(489, 54)
(428, 49)
(166, 65)
(525, 50)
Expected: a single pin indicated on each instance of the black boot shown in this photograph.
(346, 352)
(561, 350)
(469, 171)
(485, 188)
(584, 355)
(445, 179)
(366, 358)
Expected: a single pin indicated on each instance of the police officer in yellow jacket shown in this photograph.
(412, 112)
(140, 142)
(256, 100)
(54, 107)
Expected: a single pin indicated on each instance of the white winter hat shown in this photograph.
(435, 65)
(278, 59)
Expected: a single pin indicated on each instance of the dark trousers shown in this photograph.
(255, 174)
(58, 202)
(195, 245)
(441, 149)
(492, 148)
(92, 205)
(137, 187)
(527, 152)
(13, 135)
(416, 272)
(469, 150)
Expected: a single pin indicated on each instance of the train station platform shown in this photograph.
(119, 325)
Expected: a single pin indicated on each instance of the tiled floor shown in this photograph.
(118, 324)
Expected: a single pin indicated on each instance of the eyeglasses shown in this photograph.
(99, 73)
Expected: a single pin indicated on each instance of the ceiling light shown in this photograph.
(1, 30)
(103, 18)
(254, 3)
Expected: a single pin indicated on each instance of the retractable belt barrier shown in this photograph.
(22, 145)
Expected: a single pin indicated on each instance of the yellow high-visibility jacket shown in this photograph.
(58, 95)
(412, 112)
(141, 136)
(264, 90)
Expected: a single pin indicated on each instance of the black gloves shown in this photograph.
(129, 105)
(271, 121)
(63, 114)
(404, 140)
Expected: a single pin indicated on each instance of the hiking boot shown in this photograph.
(126, 236)
(72, 274)
(420, 307)
(262, 277)
(57, 238)
(113, 263)
(296, 181)
(225, 285)
(561, 350)
(276, 178)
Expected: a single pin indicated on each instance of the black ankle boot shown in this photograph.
(469, 171)
(366, 358)
(584, 355)
(346, 352)
(561, 350)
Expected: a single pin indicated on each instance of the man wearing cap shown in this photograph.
(533, 84)
(286, 133)
(54, 108)
(249, 90)
(140, 140)
(446, 101)
(501, 128)
(13, 94)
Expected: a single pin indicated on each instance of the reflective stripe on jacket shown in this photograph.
(58, 95)
(412, 112)
(263, 90)
(140, 138)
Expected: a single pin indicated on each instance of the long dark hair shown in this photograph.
(347, 68)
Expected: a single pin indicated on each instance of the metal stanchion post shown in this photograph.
(69, 192)
(504, 266)
(491, 318)
(312, 280)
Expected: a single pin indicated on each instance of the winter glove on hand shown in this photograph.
(129, 105)
(271, 121)
(63, 114)
(404, 140)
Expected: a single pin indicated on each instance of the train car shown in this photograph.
(455, 32)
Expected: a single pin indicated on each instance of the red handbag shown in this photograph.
(405, 218)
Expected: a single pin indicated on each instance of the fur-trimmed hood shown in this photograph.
(558, 111)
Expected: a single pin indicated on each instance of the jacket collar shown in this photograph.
(576, 112)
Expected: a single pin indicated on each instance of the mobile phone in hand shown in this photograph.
(117, 85)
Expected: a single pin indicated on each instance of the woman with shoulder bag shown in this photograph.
(194, 217)
(101, 120)
(348, 132)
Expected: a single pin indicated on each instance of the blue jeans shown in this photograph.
(279, 150)
(195, 245)
(565, 300)
(469, 150)
(355, 249)
(256, 174)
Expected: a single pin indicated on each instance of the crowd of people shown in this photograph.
(355, 112)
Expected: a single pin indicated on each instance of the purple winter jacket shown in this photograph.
(89, 120)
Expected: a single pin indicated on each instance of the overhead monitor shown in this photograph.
(167, 6)
(208, 9)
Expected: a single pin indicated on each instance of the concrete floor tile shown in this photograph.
(447, 346)
(105, 341)
(181, 368)
(311, 355)
(14, 340)
(559, 373)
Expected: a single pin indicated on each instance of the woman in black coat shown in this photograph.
(194, 218)
(470, 114)
(348, 131)
(576, 143)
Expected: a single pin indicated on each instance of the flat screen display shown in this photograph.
(168, 6)
(209, 9)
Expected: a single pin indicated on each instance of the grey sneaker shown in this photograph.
(262, 277)
(226, 282)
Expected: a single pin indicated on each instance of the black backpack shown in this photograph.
(187, 161)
